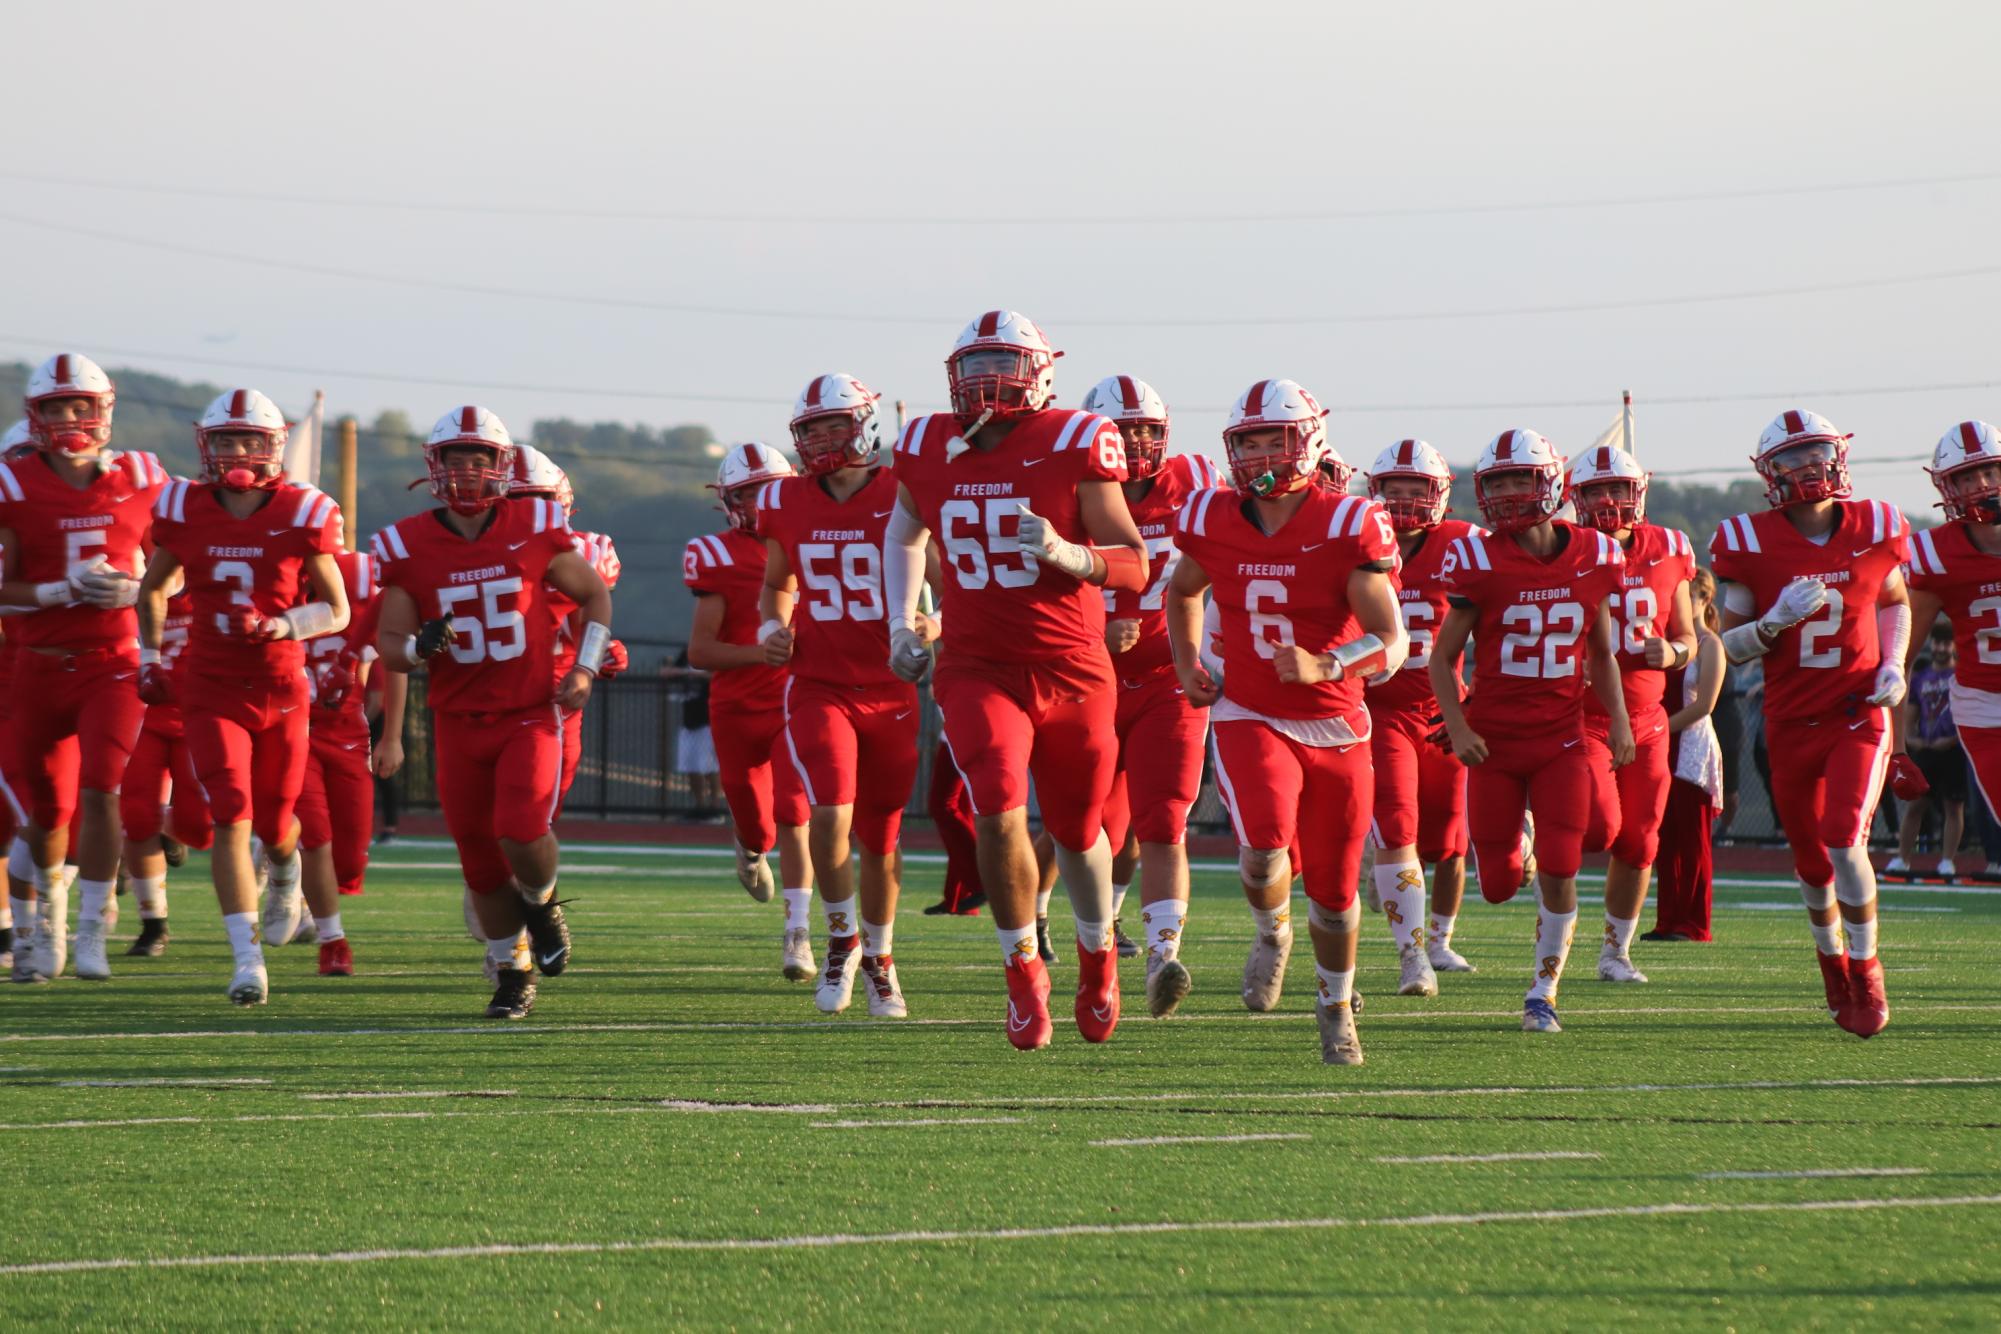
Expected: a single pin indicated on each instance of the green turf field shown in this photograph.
(676, 1139)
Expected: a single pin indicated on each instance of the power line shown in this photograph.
(948, 321)
(1150, 219)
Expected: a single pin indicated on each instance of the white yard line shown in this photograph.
(1190, 1139)
(154, 1083)
(922, 1121)
(1815, 1174)
(824, 1241)
(1552, 1155)
(410, 1093)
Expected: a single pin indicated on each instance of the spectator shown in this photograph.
(1933, 744)
(1728, 722)
(1683, 871)
(694, 747)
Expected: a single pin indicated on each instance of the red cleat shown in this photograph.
(336, 959)
(1868, 1010)
(1028, 1024)
(1834, 972)
(1097, 993)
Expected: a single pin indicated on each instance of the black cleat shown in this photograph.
(548, 934)
(1042, 941)
(152, 941)
(515, 996)
(1128, 949)
(175, 851)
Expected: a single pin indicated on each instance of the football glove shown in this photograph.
(1889, 691)
(1796, 601)
(1906, 779)
(615, 660)
(332, 682)
(102, 586)
(908, 657)
(434, 637)
(1036, 538)
(155, 685)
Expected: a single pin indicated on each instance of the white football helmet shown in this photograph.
(1131, 402)
(745, 468)
(1969, 486)
(1281, 405)
(1001, 367)
(70, 375)
(536, 474)
(243, 412)
(824, 399)
(1519, 451)
(466, 487)
(1609, 488)
(1414, 460)
(1803, 459)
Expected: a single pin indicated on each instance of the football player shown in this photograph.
(1420, 809)
(850, 722)
(73, 522)
(1814, 586)
(1161, 732)
(1654, 625)
(1307, 610)
(257, 555)
(1025, 500)
(160, 775)
(725, 572)
(1534, 594)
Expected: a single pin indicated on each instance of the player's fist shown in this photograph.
(433, 637)
(1796, 601)
(1658, 653)
(1620, 743)
(1295, 665)
(1200, 688)
(388, 756)
(908, 657)
(929, 629)
(1889, 691)
(1037, 539)
(332, 683)
(1122, 634)
(155, 686)
(1906, 779)
(775, 637)
(615, 661)
(575, 690)
(1468, 745)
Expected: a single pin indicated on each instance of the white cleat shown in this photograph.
(251, 985)
(283, 906)
(798, 954)
(753, 872)
(1264, 970)
(92, 963)
(1167, 984)
(1614, 966)
(1445, 959)
(51, 952)
(1418, 979)
(1340, 1044)
(1539, 1016)
(25, 934)
(837, 984)
(885, 993)
(308, 933)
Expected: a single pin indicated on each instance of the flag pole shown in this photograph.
(348, 458)
(1626, 422)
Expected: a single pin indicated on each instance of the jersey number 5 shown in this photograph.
(854, 592)
(484, 632)
(969, 551)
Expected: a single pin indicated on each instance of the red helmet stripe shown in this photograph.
(1969, 436)
(1795, 424)
(1504, 448)
(813, 391)
(62, 370)
(1254, 402)
(1129, 392)
(990, 323)
(1605, 458)
(239, 404)
(469, 419)
(1406, 453)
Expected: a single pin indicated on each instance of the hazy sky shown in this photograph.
(772, 123)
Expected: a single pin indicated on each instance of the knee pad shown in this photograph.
(21, 862)
(1819, 898)
(1264, 868)
(1342, 922)
(1854, 877)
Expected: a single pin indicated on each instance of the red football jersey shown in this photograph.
(600, 555)
(58, 528)
(255, 563)
(840, 623)
(503, 649)
(361, 576)
(1421, 598)
(1003, 606)
(1658, 561)
(1945, 563)
(1825, 665)
(1288, 587)
(1155, 512)
(730, 565)
(1535, 620)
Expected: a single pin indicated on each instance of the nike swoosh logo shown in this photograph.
(901, 716)
(516, 546)
(1860, 551)
(1568, 744)
(1315, 547)
(546, 959)
(286, 708)
(884, 514)
(1857, 723)
(1102, 1013)
(1015, 1023)
(1030, 463)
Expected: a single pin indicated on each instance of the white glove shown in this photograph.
(1889, 692)
(102, 586)
(1797, 600)
(908, 657)
(1036, 538)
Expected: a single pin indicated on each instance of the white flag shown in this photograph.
(302, 448)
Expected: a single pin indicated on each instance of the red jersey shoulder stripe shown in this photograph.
(10, 485)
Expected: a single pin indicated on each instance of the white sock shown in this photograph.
(1018, 944)
(1861, 940)
(1274, 921)
(1042, 902)
(538, 893)
(151, 893)
(1441, 930)
(242, 929)
(1335, 988)
(876, 939)
(329, 928)
(1087, 883)
(842, 919)
(1163, 922)
(49, 880)
(799, 909)
(1827, 939)
(1400, 885)
(23, 917)
(1119, 898)
(285, 873)
(92, 898)
(1619, 932)
(1093, 936)
(1553, 931)
(501, 951)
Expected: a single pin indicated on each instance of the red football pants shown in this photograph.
(1983, 752)
(248, 740)
(1277, 789)
(855, 747)
(337, 802)
(76, 720)
(762, 789)
(1007, 721)
(498, 778)
(1829, 774)
(1627, 804)
(161, 770)
(1420, 790)
(573, 754)
(1161, 738)
(952, 813)
(1549, 775)
(1682, 875)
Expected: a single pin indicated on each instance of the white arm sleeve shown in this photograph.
(1744, 643)
(902, 566)
(1893, 632)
